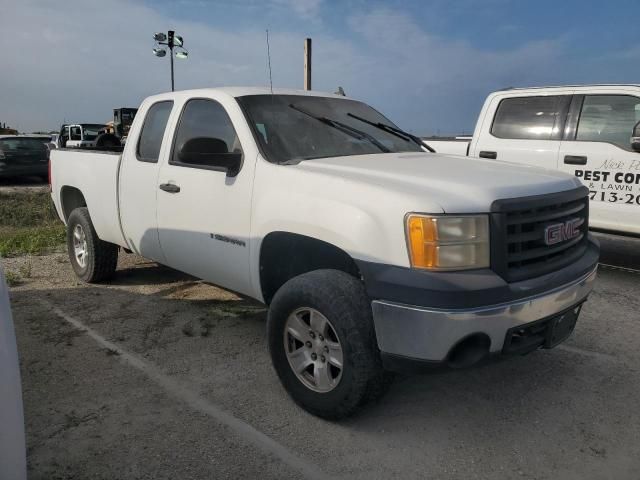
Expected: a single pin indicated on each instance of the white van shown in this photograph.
(584, 130)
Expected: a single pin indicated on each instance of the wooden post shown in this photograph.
(307, 64)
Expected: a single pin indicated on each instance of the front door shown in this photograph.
(203, 214)
(598, 151)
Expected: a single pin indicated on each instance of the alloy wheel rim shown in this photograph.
(80, 246)
(313, 350)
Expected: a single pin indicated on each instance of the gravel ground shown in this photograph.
(170, 378)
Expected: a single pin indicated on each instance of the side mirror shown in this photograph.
(210, 153)
(635, 138)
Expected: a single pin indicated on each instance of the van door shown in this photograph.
(138, 181)
(597, 149)
(524, 129)
(203, 214)
(75, 136)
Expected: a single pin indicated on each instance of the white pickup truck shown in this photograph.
(372, 254)
(590, 131)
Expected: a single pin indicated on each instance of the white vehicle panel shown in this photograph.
(95, 175)
(13, 463)
(204, 229)
(451, 147)
(137, 193)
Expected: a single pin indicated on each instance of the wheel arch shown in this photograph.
(284, 255)
(70, 199)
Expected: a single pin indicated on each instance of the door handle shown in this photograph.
(575, 160)
(485, 154)
(169, 187)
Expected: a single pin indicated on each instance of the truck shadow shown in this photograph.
(619, 251)
(148, 273)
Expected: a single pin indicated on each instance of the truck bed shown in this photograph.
(95, 175)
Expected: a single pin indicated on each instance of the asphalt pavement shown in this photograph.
(158, 375)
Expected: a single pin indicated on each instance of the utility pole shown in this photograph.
(307, 64)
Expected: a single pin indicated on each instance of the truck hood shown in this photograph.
(457, 184)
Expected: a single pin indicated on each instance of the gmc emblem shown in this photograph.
(560, 232)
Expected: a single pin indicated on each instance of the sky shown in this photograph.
(427, 65)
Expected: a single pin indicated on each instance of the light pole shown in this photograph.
(171, 40)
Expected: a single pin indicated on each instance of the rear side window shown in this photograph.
(152, 132)
(205, 118)
(608, 118)
(531, 118)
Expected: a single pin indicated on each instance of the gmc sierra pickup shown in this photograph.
(590, 131)
(373, 254)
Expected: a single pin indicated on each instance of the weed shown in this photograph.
(29, 224)
(13, 279)
(25, 269)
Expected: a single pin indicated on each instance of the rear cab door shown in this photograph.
(597, 149)
(522, 126)
(138, 176)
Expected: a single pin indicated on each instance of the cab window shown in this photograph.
(608, 118)
(531, 118)
(207, 119)
(152, 132)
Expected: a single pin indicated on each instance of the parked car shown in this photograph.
(12, 439)
(23, 155)
(589, 131)
(372, 254)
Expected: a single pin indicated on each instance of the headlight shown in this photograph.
(448, 242)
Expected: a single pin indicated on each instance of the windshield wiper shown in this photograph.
(395, 131)
(344, 128)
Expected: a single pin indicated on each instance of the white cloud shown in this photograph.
(307, 9)
(78, 66)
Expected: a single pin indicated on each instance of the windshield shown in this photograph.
(299, 127)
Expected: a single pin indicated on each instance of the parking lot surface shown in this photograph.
(158, 375)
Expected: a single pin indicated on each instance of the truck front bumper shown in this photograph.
(411, 334)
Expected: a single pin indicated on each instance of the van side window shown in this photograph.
(608, 118)
(204, 118)
(155, 123)
(531, 118)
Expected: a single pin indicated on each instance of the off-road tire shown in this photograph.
(102, 257)
(342, 299)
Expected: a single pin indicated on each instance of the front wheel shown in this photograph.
(322, 343)
(93, 260)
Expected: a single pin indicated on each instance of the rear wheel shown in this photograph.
(93, 260)
(322, 343)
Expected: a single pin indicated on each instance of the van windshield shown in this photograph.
(298, 127)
